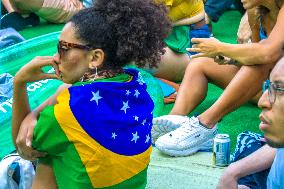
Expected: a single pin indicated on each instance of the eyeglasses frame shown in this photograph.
(68, 46)
(268, 85)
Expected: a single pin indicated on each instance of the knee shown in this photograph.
(198, 64)
(263, 69)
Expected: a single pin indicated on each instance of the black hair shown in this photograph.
(126, 30)
(279, 3)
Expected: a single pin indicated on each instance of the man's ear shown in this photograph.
(97, 57)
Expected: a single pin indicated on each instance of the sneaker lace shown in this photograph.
(186, 128)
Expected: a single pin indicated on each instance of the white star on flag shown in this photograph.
(113, 135)
(136, 118)
(143, 122)
(96, 97)
(127, 92)
(147, 138)
(136, 93)
(125, 106)
(140, 80)
(135, 137)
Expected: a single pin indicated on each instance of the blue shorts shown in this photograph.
(247, 143)
(202, 32)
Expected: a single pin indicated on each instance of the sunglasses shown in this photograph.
(63, 47)
(272, 89)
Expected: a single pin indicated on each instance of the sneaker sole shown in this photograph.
(206, 146)
(163, 126)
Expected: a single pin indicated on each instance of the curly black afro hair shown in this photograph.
(126, 30)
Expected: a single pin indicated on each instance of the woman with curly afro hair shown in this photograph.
(95, 133)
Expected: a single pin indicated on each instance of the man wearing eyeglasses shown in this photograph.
(271, 154)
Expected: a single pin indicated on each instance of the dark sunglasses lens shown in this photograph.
(60, 50)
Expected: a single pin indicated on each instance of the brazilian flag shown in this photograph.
(98, 135)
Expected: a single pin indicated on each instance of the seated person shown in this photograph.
(96, 134)
(246, 172)
(24, 13)
(188, 21)
(241, 83)
(214, 10)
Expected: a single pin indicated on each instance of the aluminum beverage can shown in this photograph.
(221, 150)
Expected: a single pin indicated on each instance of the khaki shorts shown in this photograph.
(59, 11)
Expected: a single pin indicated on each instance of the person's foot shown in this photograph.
(189, 138)
(165, 124)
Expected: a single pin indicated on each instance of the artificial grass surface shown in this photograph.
(244, 118)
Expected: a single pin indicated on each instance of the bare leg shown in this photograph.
(244, 86)
(255, 99)
(44, 178)
(8, 5)
(194, 86)
(172, 66)
(26, 6)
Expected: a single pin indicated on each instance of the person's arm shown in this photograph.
(260, 160)
(8, 5)
(44, 177)
(264, 52)
(191, 20)
(26, 131)
(29, 73)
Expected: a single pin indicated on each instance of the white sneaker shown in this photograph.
(206, 146)
(165, 124)
(190, 137)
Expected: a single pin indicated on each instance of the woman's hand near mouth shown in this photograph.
(32, 71)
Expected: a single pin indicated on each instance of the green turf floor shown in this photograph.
(244, 118)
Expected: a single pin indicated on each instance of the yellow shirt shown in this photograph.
(180, 9)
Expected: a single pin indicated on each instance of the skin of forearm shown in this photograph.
(191, 20)
(260, 160)
(21, 107)
(251, 53)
